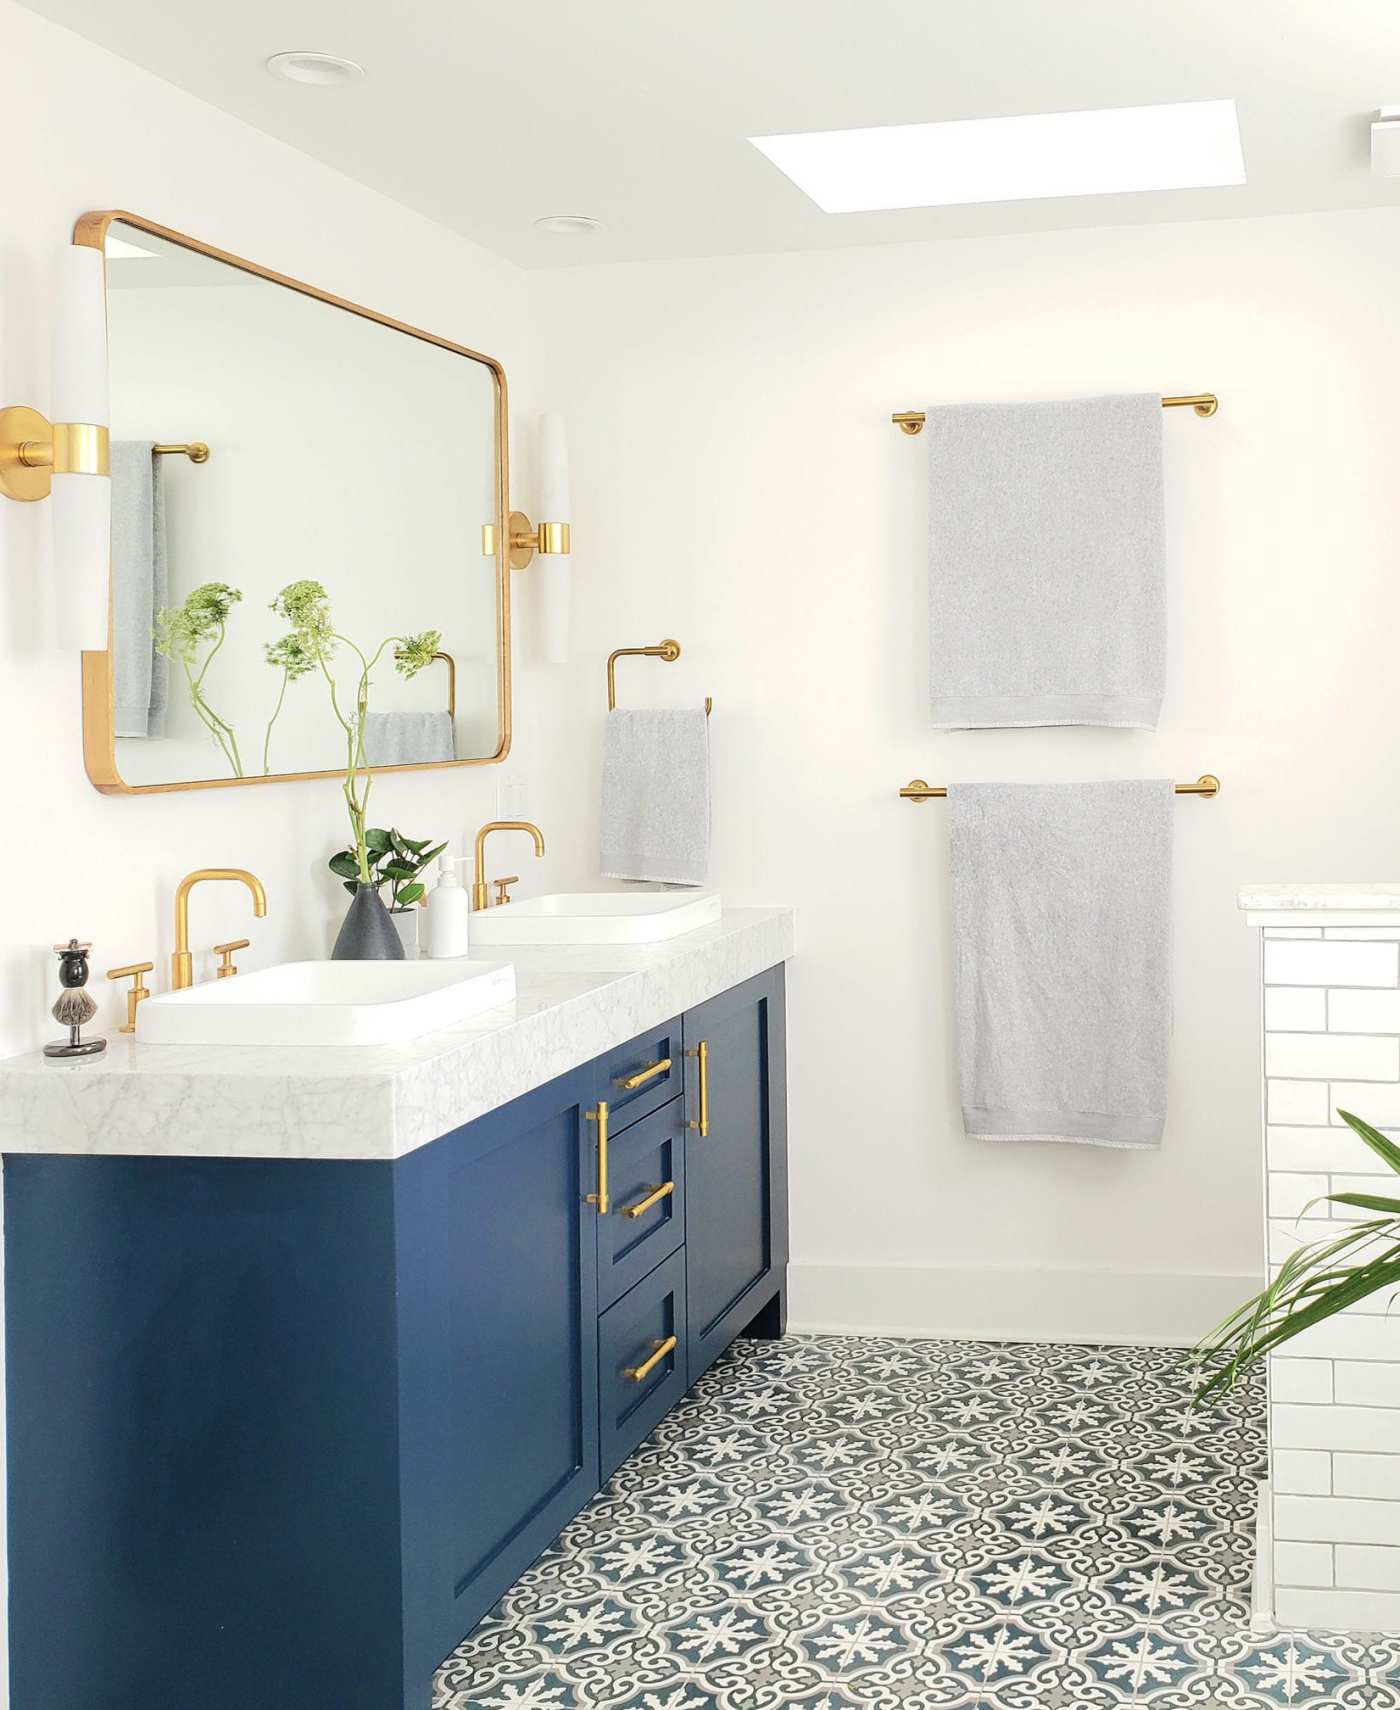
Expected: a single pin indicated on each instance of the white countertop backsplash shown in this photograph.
(572, 1004)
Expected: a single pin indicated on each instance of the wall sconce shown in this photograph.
(40, 458)
(551, 539)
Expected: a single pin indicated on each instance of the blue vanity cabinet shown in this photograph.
(736, 1172)
(498, 1355)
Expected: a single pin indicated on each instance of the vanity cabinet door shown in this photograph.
(646, 1220)
(736, 1173)
(498, 1311)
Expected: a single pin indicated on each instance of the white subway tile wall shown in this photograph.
(1332, 1041)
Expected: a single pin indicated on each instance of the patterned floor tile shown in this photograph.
(868, 1523)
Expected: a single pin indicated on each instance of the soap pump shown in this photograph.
(449, 911)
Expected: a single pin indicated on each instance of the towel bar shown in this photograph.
(670, 651)
(1203, 403)
(916, 790)
(197, 452)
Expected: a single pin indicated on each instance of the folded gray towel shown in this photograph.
(656, 796)
(140, 584)
(1046, 601)
(408, 738)
(1061, 947)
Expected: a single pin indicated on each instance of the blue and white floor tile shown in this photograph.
(853, 1523)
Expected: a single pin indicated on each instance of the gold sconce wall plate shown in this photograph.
(526, 539)
(33, 450)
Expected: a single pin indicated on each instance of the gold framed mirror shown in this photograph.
(267, 435)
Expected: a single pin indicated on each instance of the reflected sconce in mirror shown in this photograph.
(59, 458)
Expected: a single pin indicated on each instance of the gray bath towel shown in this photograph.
(656, 796)
(1061, 946)
(140, 587)
(409, 738)
(1046, 600)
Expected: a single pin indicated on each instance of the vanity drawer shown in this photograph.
(646, 1185)
(641, 1361)
(633, 1080)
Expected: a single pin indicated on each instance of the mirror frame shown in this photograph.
(99, 723)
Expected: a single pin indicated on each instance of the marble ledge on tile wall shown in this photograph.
(1322, 907)
(572, 1004)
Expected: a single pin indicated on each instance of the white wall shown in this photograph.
(88, 131)
(740, 487)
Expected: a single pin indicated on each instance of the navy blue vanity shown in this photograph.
(282, 1431)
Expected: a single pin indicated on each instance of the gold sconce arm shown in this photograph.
(33, 450)
(526, 539)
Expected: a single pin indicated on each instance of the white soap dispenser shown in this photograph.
(449, 911)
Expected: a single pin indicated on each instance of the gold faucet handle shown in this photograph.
(503, 888)
(135, 972)
(226, 969)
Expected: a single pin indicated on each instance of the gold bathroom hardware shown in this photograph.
(599, 1116)
(451, 665)
(655, 1197)
(197, 451)
(138, 994)
(480, 895)
(1203, 403)
(670, 651)
(916, 790)
(33, 450)
(503, 888)
(701, 1054)
(527, 538)
(659, 1351)
(182, 963)
(226, 969)
(642, 1076)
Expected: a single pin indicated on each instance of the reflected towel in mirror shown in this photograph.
(408, 738)
(140, 675)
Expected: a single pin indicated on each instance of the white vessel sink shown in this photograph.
(326, 1003)
(596, 917)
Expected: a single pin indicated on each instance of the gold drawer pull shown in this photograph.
(642, 1076)
(655, 1197)
(600, 1199)
(639, 1374)
(701, 1053)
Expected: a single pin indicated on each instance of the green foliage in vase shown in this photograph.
(193, 633)
(1316, 1282)
(306, 608)
(394, 860)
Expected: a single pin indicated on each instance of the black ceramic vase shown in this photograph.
(368, 934)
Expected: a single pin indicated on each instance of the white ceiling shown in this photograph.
(485, 115)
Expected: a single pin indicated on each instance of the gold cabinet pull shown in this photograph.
(655, 1197)
(600, 1116)
(638, 1374)
(701, 1054)
(642, 1076)
(224, 952)
(139, 990)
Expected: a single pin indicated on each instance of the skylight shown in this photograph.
(1188, 145)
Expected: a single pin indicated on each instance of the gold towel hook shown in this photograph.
(670, 651)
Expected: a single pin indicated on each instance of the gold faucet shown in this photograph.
(182, 963)
(480, 898)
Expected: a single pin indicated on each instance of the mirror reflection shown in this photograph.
(297, 492)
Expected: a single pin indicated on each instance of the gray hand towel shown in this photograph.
(1061, 945)
(140, 587)
(1046, 601)
(656, 796)
(409, 738)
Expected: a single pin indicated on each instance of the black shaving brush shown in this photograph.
(74, 1008)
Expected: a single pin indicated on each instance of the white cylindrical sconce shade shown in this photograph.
(554, 568)
(81, 503)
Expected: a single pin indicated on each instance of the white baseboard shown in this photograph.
(1167, 1309)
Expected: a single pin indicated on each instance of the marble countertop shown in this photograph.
(1348, 898)
(572, 1003)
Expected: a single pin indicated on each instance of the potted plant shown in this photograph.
(396, 861)
(1317, 1281)
(367, 934)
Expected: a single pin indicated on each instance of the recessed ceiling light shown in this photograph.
(1184, 146)
(570, 225)
(326, 69)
